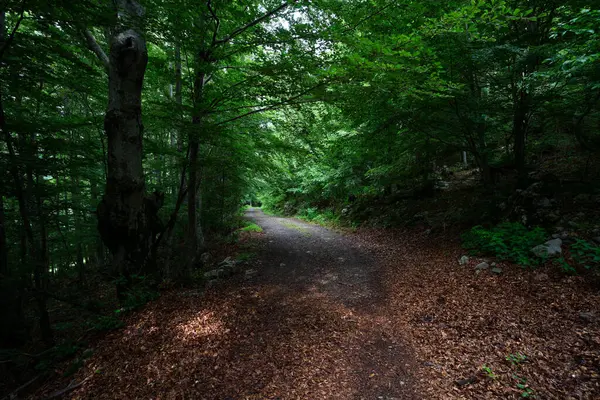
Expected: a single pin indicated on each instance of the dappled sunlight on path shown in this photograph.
(304, 328)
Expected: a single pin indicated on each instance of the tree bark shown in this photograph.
(4, 270)
(125, 213)
(519, 132)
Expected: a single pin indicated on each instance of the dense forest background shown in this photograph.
(134, 132)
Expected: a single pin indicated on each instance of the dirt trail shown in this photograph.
(309, 258)
(305, 326)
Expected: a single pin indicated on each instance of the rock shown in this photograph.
(541, 277)
(552, 217)
(582, 198)
(250, 273)
(497, 270)
(482, 265)
(282, 265)
(226, 262)
(224, 272)
(464, 260)
(493, 264)
(588, 316)
(544, 202)
(205, 258)
(573, 224)
(467, 381)
(213, 274)
(548, 249)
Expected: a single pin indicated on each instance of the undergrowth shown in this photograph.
(510, 241)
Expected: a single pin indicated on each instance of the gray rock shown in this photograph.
(464, 260)
(482, 265)
(552, 217)
(282, 265)
(549, 249)
(226, 262)
(497, 270)
(544, 202)
(225, 272)
(493, 264)
(250, 273)
(213, 274)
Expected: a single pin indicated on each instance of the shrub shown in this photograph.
(510, 241)
(586, 254)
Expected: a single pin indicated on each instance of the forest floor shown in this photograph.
(374, 314)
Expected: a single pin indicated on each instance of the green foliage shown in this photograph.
(516, 358)
(586, 254)
(508, 241)
(322, 217)
(251, 227)
(488, 371)
(526, 391)
(564, 266)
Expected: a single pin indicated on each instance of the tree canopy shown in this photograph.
(133, 131)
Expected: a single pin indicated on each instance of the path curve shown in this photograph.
(310, 261)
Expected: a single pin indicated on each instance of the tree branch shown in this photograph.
(93, 45)
(270, 107)
(217, 22)
(14, 31)
(251, 24)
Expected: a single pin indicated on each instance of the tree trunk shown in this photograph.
(194, 227)
(4, 270)
(124, 214)
(99, 246)
(519, 132)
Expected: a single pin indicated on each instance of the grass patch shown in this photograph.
(299, 228)
(251, 227)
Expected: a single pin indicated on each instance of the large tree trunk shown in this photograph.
(195, 237)
(124, 214)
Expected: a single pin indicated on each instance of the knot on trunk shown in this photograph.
(129, 55)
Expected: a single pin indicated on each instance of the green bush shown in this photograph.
(510, 241)
(586, 254)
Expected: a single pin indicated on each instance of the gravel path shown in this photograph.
(331, 272)
(307, 257)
